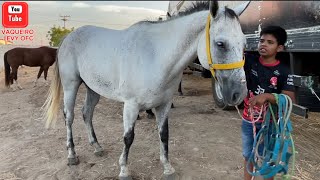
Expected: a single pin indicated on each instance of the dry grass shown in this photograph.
(306, 136)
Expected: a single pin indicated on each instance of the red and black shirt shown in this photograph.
(264, 78)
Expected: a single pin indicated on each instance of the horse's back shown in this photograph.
(105, 59)
(31, 56)
(88, 37)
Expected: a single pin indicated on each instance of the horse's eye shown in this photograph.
(220, 44)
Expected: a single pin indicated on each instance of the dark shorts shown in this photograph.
(247, 138)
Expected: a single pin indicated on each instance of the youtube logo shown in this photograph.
(14, 14)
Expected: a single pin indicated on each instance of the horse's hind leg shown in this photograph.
(162, 120)
(70, 89)
(130, 112)
(14, 78)
(150, 114)
(180, 89)
(92, 99)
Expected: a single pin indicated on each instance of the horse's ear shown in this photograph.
(213, 7)
(240, 8)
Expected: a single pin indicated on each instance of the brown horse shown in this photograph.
(33, 57)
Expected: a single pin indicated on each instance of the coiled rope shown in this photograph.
(279, 146)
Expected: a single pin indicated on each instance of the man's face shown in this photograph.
(268, 46)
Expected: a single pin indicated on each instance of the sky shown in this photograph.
(109, 14)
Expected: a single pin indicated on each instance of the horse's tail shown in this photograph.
(6, 70)
(52, 103)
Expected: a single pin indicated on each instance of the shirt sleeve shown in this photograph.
(287, 80)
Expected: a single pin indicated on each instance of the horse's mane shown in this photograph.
(195, 7)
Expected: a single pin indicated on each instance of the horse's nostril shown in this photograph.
(235, 96)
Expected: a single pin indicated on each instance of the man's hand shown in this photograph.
(261, 99)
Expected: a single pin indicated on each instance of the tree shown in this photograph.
(55, 35)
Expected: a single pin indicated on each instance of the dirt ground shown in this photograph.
(205, 142)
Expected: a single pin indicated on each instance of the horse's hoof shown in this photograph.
(172, 106)
(73, 161)
(180, 94)
(99, 153)
(150, 116)
(125, 178)
(170, 176)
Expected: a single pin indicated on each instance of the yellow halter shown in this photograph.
(212, 66)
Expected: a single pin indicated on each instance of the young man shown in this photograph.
(265, 75)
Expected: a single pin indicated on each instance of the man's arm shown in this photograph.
(290, 94)
(268, 97)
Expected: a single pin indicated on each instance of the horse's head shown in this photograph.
(226, 41)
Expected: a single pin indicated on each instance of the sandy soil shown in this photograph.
(205, 142)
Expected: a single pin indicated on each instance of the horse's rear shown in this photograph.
(13, 58)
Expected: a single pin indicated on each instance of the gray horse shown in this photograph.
(116, 64)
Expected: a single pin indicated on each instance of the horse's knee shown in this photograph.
(68, 116)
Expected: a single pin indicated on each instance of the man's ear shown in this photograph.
(280, 48)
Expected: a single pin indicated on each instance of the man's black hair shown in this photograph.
(278, 32)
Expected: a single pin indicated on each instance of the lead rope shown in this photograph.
(236, 106)
(254, 129)
(309, 85)
(314, 93)
(253, 123)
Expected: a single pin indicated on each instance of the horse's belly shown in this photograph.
(146, 97)
(103, 86)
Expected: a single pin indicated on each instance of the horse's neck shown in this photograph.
(179, 44)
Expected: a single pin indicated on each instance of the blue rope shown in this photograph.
(277, 146)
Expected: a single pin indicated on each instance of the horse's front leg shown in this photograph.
(163, 128)
(38, 76)
(130, 112)
(46, 68)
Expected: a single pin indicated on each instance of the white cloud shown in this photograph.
(80, 5)
(126, 9)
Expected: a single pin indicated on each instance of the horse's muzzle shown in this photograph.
(233, 91)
